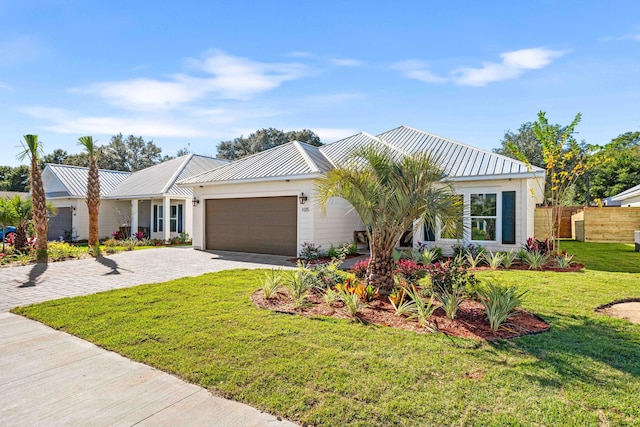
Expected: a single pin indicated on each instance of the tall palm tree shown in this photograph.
(390, 193)
(93, 188)
(33, 149)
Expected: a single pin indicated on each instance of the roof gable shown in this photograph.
(290, 159)
(71, 181)
(631, 192)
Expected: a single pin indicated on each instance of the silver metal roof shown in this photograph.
(459, 160)
(291, 159)
(160, 179)
(631, 192)
(72, 180)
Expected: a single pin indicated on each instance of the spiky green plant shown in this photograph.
(299, 283)
(451, 299)
(271, 282)
(509, 258)
(494, 259)
(429, 256)
(474, 260)
(330, 296)
(499, 302)
(564, 261)
(352, 302)
(423, 309)
(535, 259)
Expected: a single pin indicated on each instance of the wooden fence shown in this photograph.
(542, 221)
(607, 224)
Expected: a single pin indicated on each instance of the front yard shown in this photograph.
(325, 371)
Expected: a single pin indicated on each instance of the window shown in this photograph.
(158, 218)
(455, 231)
(175, 218)
(484, 208)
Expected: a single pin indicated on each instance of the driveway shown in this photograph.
(42, 282)
(51, 378)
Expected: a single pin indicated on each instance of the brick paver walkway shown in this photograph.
(36, 283)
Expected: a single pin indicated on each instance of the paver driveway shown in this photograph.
(51, 378)
(36, 283)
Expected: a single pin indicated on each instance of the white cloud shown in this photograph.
(513, 64)
(345, 62)
(418, 70)
(66, 122)
(227, 77)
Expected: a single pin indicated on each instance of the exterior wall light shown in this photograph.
(302, 198)
(195, 202)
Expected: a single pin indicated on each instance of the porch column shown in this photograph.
(165, 218)
(134, 218)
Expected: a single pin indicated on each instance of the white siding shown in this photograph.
(631, 202)
(108, 219)
(338, 225)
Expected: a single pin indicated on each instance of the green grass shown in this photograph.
(324, 371)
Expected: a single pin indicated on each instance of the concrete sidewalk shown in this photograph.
(51, 378)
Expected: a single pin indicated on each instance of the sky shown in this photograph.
(192, 74)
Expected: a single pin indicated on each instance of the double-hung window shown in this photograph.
(484, 215)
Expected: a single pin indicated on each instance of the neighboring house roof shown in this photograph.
(299, 160)
(160, 179)
(154, 181)
(632, 192)
(293, 159)
(71, 181)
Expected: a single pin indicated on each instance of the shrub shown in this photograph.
(95, 251)
(537, 245)
(328, 274)
(450, 275)
(402, 305)
(139, 235)
(535, 259)
(59, 251)
(499, 303)
(183, 238)
(352, 302)
(359, 269)
(341, 251)
(410, 270)
(23, 258)
(494, 259)
(330, 296)
(464, 248)
(110, 243)
(354, 286)
(509, 258)
(129, 244)
(451, 299)
(309, 252)
(429, 256)
(271, 282)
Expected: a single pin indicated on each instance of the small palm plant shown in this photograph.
(509, 258)
(451, 299)
(535, 259)
(299, 283)
(564, 261)
(422, 309)
(352, 302)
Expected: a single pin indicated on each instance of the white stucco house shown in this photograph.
(628, 198)
(147, 200)
(265, 203)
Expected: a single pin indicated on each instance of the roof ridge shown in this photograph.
(312, 165)
(61, 181)
(463, 145)
(388, 144)
(177, 173)
(55, 165)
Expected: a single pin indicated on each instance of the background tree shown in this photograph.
(389, 194)
(33, 150)
(14, 178)
(263, 139)
(613, 168)
(525, 142)
(93, 188)
(130, 154)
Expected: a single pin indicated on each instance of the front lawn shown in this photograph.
(325, 371)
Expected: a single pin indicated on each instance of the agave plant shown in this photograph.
(422, 309)
(474, 260)
(271, 282)
(451, 299)
(494, 259)
(535, 259)
(564, 261)
(509, 258)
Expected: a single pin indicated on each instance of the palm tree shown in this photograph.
(19, 212)
(391, 193)
(93, 188)
(33, 149)
(7, 217)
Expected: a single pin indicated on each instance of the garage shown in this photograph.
(60, 226)
(265, 225)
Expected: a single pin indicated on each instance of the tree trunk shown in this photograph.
(21, 239)
(380, 271)
(39, 210)
(93, 201)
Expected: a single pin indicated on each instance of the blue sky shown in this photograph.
(201, 72)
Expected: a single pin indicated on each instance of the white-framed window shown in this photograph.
(176, 218)
(158, 218)
(483, 209)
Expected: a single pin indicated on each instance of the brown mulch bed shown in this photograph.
(321, 260)
(547, 267)
(470, 322)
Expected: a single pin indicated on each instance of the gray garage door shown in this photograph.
(59, 224)
(264, 225)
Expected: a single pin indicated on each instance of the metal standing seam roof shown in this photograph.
(74, 179)
(631, 192)
(160, 179)
(295, 158)
(459, 160)
(290, 159)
